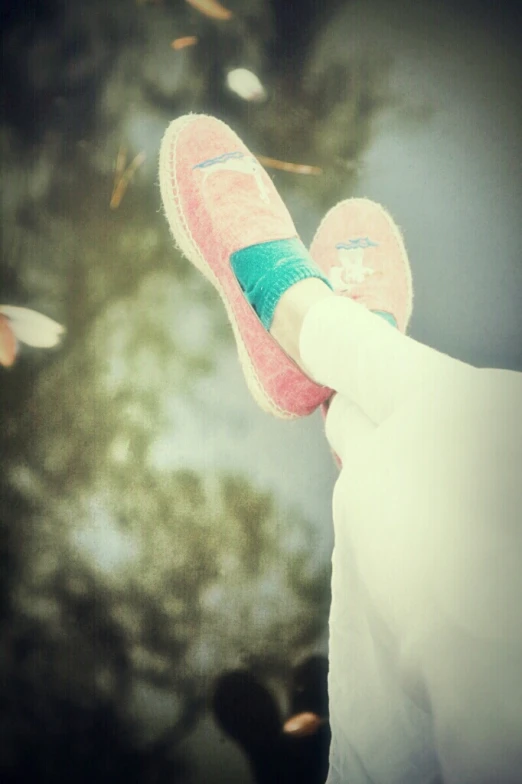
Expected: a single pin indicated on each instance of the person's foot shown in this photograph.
(360, 249)
(229, 221)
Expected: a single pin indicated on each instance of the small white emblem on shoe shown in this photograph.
(238, 162)
(351, 269)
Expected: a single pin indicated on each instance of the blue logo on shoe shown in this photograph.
(227, 156)
(358, 242)
(239, 162)
(351, 269)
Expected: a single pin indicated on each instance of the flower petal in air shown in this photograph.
(302, 724)
(245, 84)
(184, 41)
(211, 8)
(31, 327)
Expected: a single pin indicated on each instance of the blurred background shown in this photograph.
(157, 530)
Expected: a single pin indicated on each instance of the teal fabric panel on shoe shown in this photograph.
(266, 271)
(386, 316)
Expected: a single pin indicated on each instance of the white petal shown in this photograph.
(33, 328)
(246, 84)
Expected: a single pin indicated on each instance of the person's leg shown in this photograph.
(290, 312)
(339, 339)
(463, 661)
(381, 732)
(452, 586)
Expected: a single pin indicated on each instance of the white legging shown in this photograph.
(423, 682)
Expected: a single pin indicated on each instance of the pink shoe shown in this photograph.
(359, 248)
(218, 199)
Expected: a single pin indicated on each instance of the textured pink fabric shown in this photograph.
(220, 210)
(389, 288)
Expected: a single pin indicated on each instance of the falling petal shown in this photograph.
(297, 168)
(182, 43)
(211, 8)
(8, 343)
(32, 328)
(245, 84)
(303, 724)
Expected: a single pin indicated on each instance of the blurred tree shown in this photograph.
(129, 587)
(126, 587)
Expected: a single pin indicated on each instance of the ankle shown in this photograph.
(290, 312)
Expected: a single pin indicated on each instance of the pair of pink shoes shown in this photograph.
(218, 199)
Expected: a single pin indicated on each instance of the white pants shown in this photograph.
(448, 714)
